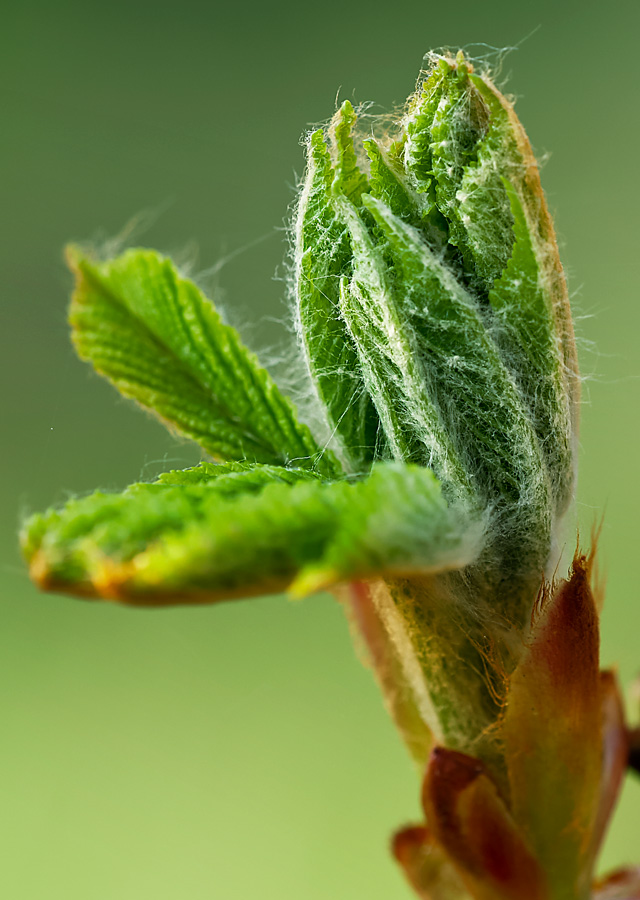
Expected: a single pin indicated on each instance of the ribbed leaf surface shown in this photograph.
(161, 342)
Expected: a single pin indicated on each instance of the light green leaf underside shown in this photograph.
(161, 342)
(216, 532)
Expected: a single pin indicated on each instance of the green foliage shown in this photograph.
(323, 255)
(451, 306)
(432, 313)
(216, 531)
(161, 342)
(524, 329)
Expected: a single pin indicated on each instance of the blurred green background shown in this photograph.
(242, 751)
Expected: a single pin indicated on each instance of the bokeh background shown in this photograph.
(242, 751)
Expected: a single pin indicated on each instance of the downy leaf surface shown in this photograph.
(218, 531)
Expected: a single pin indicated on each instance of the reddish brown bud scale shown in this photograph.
(615, 755)
(552, 733)
(624, 884)
(427, 869)
(471, 822)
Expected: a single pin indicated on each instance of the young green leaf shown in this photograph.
(524, 330)
(323, 256)
(205, 535)
(391, 362)
(160, 341)
(463, 375)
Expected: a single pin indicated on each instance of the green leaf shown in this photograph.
(234, 478)
(216, 532)
(477, 406)
(524, 330)
(463, 374)
(508, 153)
(388, 183)
(451, 153)
(390, 361)
(348, 179)
(322, 257)
(161, 342)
